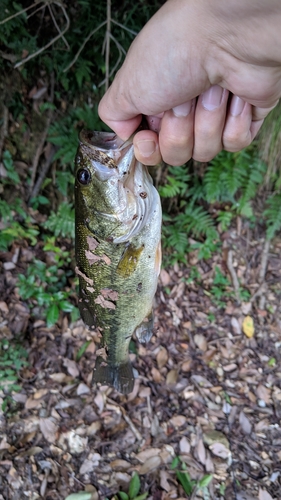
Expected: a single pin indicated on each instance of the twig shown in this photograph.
(4, 128)
(37, 10)
(129, 421)
(124, 27)
(233, 274)
(60, 35)
(264, 260)
(117, 62)
(107, 46)
(43, 172)
(42, 140)
(17, 13)
(57, 26)
(83, 45)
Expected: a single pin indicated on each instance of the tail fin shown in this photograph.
(120, 377)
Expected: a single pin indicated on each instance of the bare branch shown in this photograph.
(124, 27)
(57, 26)
(264, 260)
(107, 43)
(31, 56)
(83, 45)
(17, 13)
(42, 140)
(233, 274)
(4, 128)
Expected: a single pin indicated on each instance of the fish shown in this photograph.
(118, 250)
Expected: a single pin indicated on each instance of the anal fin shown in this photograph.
(119, 376)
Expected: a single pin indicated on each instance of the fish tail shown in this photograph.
(119, 376)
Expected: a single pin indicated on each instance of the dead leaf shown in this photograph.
(71, 367)
(48, 429)
(151, 464)
(162, 357)
(235, 326)
(82, 389)
(178, 420)
(264, 495)
(164, 476)
(184, 445)
(248, 326)
(245, 423)
(200, 341)
(144, 455)
(201, 451)
(263, 393)
(120, 465)
(219, 450)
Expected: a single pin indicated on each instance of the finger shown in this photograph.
(261, 113)
(209, 122)
(176, 134)
(239, 129)
(147, 147)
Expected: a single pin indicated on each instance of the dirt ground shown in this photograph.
(204, 391)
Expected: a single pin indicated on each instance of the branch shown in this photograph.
(4, 128)
(31, 56)
(43, 172)
(17, 13)
(124, 27)
(120, 49)
(233, 274)
(42, 140)
(107, 46)
(57, 26)
(83, 45)
(264, 260)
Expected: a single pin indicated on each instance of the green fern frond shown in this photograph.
(273, 215)
(176, 183)
(62, 222)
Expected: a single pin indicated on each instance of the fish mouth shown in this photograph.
(107, 142)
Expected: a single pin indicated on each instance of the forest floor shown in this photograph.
(208, 390)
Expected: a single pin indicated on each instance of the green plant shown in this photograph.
(10, 174)
(190, 485)
(62, 222)
(12, 358)
(43, 287)
(134, 489)
(272, 215)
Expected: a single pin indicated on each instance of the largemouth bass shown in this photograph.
(118, 250)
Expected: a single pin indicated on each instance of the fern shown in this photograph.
(176, 184)
(273, 215)
(62, 222)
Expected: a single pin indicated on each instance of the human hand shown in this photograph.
(226, 53)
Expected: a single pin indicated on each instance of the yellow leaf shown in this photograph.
(248, 326)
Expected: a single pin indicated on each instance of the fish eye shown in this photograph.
(83, 176)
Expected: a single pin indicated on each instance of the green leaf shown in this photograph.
(134, 487)
(205, 481)
(82, 350)
(52, 315)
(123, 495)
(141, 497)
(175, 463)
(81, 495)
(185, 481)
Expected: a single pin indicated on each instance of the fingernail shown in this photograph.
(211, 99)
(146, 148)
(182, 110)
(236, 106)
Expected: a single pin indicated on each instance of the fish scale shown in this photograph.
(118, 250)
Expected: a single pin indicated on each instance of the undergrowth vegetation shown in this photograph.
(61, 69)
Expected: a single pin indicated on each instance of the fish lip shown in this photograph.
(104, 141)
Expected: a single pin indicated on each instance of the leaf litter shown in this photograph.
(208, 391)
